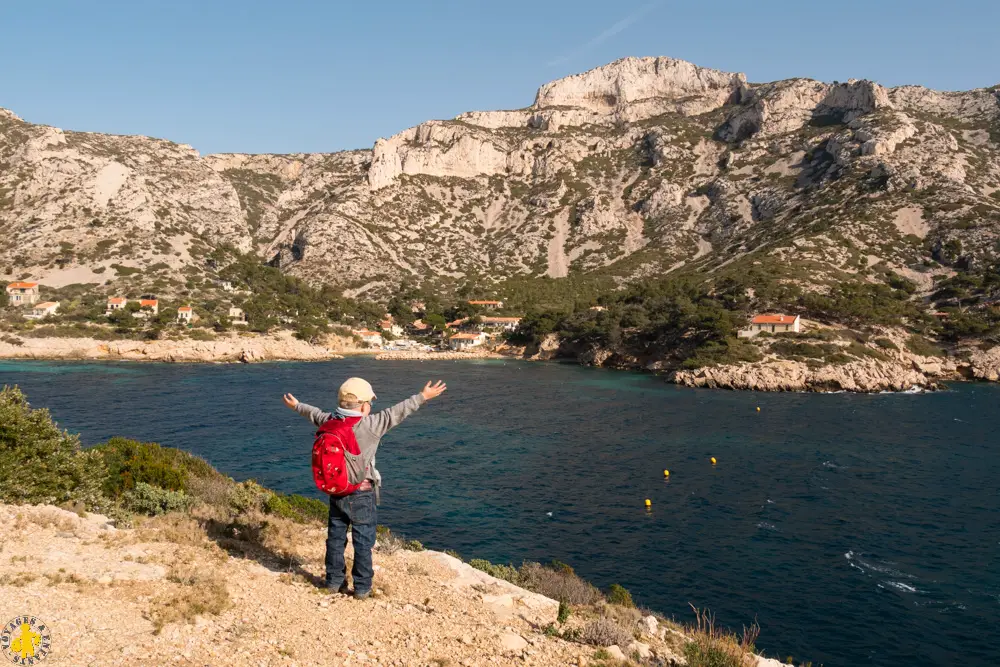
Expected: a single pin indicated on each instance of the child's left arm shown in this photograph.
(315, 415)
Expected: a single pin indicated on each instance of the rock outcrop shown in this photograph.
(606, 170)
(867, 376)
(226, 349)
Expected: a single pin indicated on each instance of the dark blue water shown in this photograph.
(857, 530)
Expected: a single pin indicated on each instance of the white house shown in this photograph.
(22, 293)
(185, 314)
(147, 308)
(489, 305)
(115, 303)
(465, 341)
(772, 324)
(43, 310)
(237, 316)
(370, 337)
(501, 323)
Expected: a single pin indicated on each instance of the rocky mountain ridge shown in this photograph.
(641, 167)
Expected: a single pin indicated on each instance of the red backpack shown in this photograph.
(334, 442)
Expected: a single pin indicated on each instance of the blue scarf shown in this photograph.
(344, 412)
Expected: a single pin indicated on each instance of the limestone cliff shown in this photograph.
(636, 168)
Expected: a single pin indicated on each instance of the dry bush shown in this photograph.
(606, 631)
(51, 518)
(213, 491)
(175, 528)
(560, 584)
(199, 592)
(716, 647)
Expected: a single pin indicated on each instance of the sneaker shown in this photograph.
(362, 595)
(342, 590)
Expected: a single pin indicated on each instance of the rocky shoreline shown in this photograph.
(905, 372)
(234, 348)
(405, 355)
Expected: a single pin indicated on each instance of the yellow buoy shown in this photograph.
(713, 460)
(649, 503)
(758, 408)
(666, 473)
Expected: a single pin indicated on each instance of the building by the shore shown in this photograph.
(772, 324)
(147, 308)
(22, 293)
(43, 310)
(115, 303)
(501, 323)
(237, 316)
(488, 305)
(465, 341)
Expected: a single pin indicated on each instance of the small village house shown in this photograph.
(465, 341)
(22, 293)
(115, 303)
(417, 307)
(489, 305)
(455, 324)
(43, 310)
(420, 326)
(147, 308)
(370, 337)
(185, 314)
(237, 316)
(501, 323)
(772, 324)
(389, 324)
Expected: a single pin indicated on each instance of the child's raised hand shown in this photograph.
(290, 401)
(433, 390)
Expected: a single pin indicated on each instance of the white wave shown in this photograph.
(900, 586)
(764, 525)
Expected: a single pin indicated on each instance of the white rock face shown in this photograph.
(636, 80)
(626, 90)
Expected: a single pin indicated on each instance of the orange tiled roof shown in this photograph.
(21, 285)
(117, 299)
(148, 302)
(465, 336)
(184, 308)
(47, 304)
(774, 319)
(485, 303)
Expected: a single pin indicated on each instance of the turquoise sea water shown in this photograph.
(857, 530)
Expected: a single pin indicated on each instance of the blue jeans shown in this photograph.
(357, 511)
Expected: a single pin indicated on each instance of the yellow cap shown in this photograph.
(357, 387)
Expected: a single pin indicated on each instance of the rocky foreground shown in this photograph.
(164, 593)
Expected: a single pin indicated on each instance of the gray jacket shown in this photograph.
(368, 432)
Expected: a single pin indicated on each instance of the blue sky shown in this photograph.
(296, 76)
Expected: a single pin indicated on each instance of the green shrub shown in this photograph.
(297, 508)
(564, 612)
(505, 572)
(247, 497)
(130, 462)
(620, 596)
(919, 345)
(885, 344)
(40, 463)
(152, 500)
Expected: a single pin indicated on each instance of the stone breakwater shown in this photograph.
(229, 349)
(404, 355)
